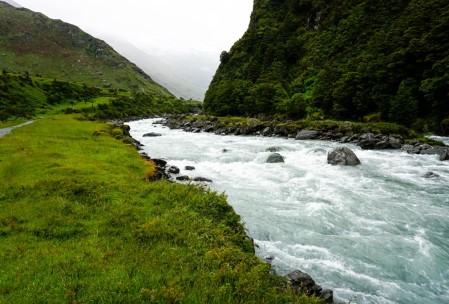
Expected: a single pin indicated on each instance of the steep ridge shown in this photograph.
(31, 42)
(358, 60)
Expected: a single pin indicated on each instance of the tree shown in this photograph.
(224, 57)
(404, 106)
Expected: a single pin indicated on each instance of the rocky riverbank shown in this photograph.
(299, 281)
(367, 138)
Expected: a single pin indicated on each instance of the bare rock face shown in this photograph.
(342, 156)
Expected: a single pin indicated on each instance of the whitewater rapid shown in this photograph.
(375, 233)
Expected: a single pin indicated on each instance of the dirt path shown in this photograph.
(8, 130)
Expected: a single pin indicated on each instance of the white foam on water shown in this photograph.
(377, 231)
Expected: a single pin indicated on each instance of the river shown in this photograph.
(375, 233)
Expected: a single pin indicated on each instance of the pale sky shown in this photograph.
(169, 25)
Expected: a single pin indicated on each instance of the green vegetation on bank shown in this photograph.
(79, 223)
(345, 60)
(356, 127)
(25, 97)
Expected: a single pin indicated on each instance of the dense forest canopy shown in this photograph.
(343, 59)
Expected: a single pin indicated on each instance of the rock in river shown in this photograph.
(173, 170)
(431, 174)
(275, 158)
(342, 156)
(444, 156)
(152, 134)
(307, 134)
(273, 149)
(302, 281)
(202, 179)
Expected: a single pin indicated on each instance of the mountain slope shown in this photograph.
(32, 42)
(341, 59)
(167, 75)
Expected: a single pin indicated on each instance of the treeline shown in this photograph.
(22, 96)
(142, 105)
(357, 60)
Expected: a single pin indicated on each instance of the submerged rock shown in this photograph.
(317, 152)
(189, 168)
(202, 179)
(273, 149)
(342, 156)
(152, 134)
(269, 258)
(183, 178)
(431, 175)
(275, 158)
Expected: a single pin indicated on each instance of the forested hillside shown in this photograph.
(342, 59)
(31, 42)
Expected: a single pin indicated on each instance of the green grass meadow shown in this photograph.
(80, 224)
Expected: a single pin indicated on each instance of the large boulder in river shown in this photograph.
(342, 156)
(275, 158)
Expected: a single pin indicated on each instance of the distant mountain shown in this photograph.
(13, 3)
(32, 42)
(197, 66)
(171, 76)
(344, 59)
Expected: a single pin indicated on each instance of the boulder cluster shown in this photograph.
(365, 140)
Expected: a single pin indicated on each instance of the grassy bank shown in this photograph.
(78, 224)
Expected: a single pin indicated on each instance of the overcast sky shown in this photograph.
(176, 25)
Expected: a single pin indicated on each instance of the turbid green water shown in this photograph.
(378, 232)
